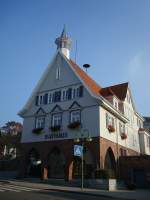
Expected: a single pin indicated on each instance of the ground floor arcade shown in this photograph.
(55, 159)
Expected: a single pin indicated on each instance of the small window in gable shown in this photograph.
(58, 73)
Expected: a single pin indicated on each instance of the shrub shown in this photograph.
(111, 128)
(37, 130)
(55, 128)
(74, 125)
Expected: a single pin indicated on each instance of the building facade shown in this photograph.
(67, 104)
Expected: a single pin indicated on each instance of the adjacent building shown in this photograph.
(66, 105)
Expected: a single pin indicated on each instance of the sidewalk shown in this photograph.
(120, 194)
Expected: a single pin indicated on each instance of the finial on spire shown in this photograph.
(64, 33)
(64, 43)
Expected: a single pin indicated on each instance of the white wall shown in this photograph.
(89, 106)
(132, 134)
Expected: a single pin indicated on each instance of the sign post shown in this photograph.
(78, 151)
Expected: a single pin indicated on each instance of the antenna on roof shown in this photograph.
(76, 50)
(86, 66)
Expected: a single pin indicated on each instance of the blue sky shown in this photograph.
(112, 35)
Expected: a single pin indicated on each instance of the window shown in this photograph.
(56, 119)
(37, 101)
(123, 152)
(110, 120)
(40, 122)
(40, 100)
(121, 128)
(69, 93)
(73, 93)
(50, 98)
(133, 140)
(116, 104)
(75, 116)
(45, 98)
(57, 96)
(58, 73)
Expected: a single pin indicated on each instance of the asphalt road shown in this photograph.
(11, 192)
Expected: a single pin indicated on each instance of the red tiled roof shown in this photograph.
(91, 84)
(119, 90)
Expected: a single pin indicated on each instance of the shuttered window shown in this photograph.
(45, 100)
(81, 91)
(37, 100)
(69, 93)
(107, 120)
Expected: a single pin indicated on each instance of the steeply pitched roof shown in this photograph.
(119, 90)
(90, 83)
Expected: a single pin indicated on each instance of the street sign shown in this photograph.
(78, 150)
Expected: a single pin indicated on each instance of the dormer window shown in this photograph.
(115, 103)
(58, 73)
(75, 116)
(40, 122)
(56, 119)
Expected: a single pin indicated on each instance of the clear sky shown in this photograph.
(112, 35)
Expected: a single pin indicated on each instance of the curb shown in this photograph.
(88, 193)
(75, 192)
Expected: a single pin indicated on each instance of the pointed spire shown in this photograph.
(64, 43)
(64, 33)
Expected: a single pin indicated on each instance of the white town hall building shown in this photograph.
(68, 103)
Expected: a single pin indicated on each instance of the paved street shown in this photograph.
(12, 192)
(30, 189)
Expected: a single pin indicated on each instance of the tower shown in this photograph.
(64, 43)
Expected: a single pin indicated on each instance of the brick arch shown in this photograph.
(104, 145)
(109, 160)
(56, 161)
(33, 163)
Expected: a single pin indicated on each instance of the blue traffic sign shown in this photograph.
(78, 150)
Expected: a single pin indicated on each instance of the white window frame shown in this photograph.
(40, 122)
(58, 73)
(75, 116)
(110, 120)
(40, 100)
(74, 93)
(50, 98)
(57, 119)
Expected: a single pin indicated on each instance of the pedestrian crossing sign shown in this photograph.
(78, 150)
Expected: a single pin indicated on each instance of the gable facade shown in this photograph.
(66, 104)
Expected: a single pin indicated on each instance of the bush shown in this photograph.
(37, 130)
(130, 186)
(55, 128)
(74, 125)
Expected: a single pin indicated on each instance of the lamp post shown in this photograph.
(84, 137)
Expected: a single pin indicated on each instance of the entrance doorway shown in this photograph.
(56, 164)
(88, 165)
(110, 163)
(34, 164)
